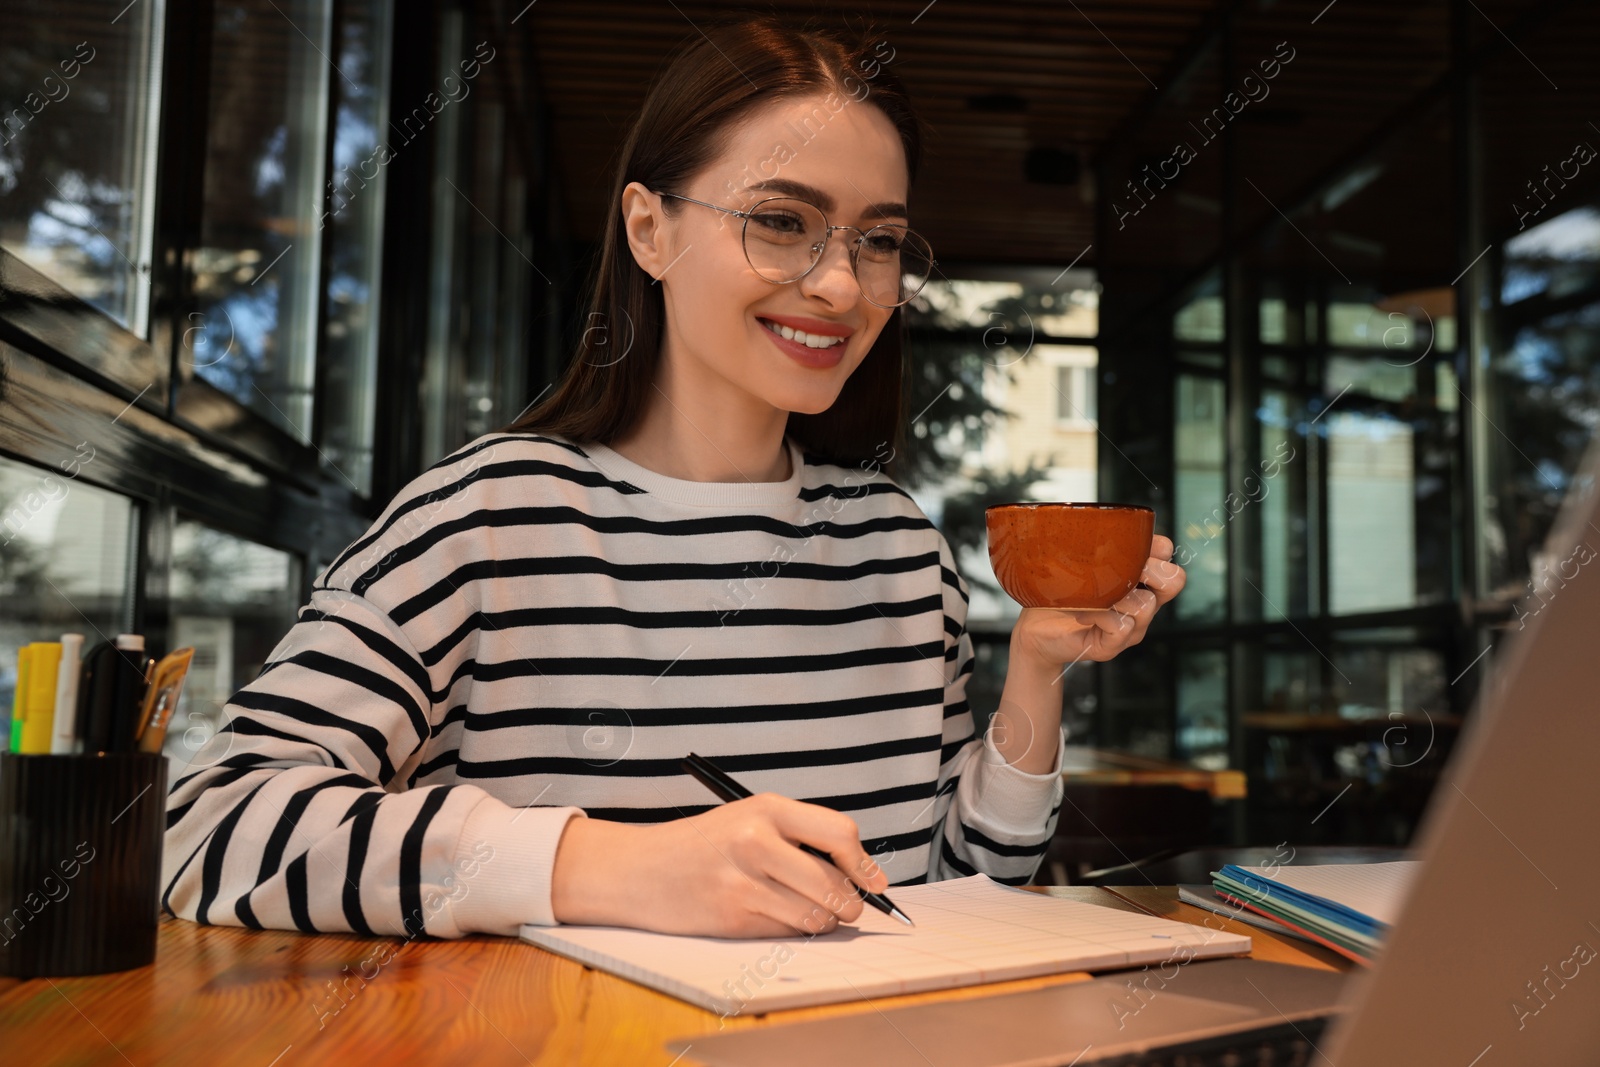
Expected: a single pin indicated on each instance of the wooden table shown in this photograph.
(222, 995)
(1102, 766)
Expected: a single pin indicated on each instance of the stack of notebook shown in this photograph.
(1347, 907)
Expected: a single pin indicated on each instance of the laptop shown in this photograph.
(1493, 962)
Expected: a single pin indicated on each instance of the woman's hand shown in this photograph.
(1053, 638)
(733, 871)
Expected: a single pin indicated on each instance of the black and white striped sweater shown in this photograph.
(535, 630)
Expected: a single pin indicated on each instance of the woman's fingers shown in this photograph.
(1139, 605)
(828, 893)
(771, 876)
(1123, 625)
(796, 913)
(832, 832)
(1163, 577)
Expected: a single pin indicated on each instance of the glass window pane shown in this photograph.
(1371, 514)
(1066, 304)
(66, 560)
(1386, 677)
(232, 600)
(1291, 679)
(484, 271)
(355, 232)
(1543, 402)
(1051, 393)
(1003, 415)
(1537, 401)
(443, 388)
(1199, 498)
(1199, 320)
(1202, 737)
(486, 256)
(77, 150)
(256, 272)
(511, 394)
(1280, 489)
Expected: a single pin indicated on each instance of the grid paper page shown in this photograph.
(1374, 889)
(968, 931)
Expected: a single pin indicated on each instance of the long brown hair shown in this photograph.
(716, 79)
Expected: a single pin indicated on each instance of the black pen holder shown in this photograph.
(80, 862)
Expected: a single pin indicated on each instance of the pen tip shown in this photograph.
(898, 914)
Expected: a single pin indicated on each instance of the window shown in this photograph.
(483, 270)
(1200, 500)
(257, 270)
(354, 230)
(1543, 391)
(78, 114)
(1372, 536)
(66, 559)
(1006, 399)
(231, 600)
(1075, 394)
(1201, 736)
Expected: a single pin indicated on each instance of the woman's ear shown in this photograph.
(645, 223)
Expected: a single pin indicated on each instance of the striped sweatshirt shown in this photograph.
(536, 630)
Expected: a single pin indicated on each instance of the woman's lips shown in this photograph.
(815, 327)
(820, 358)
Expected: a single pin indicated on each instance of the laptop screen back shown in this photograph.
(1494, 959)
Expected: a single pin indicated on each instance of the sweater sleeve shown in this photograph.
(989, 816)
(295, 815)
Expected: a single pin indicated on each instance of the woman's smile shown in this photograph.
(810, 342)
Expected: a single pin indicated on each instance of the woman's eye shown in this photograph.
(882, 244)
(779, 222)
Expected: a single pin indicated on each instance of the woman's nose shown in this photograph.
(834, 276)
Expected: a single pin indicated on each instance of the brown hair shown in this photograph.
(718, 78)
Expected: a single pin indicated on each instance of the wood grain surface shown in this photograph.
(223, 995)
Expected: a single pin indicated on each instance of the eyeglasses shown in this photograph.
(784, 239)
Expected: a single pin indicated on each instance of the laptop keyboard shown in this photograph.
(1286, 1045)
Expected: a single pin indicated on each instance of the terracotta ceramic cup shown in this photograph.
(1081, 556)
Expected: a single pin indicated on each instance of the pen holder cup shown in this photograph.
(80, 862)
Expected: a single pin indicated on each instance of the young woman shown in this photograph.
(477, 721)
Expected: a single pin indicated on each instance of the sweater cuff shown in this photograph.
(1013, 801)
(515, 851)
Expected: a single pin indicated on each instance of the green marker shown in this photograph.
(20, 700)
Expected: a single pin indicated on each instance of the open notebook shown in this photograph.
(968, 931)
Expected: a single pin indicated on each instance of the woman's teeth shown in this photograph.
(807, 339)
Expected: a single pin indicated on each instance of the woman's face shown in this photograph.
(840, 154)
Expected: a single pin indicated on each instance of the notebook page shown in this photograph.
(968, 931)
(1374, 889)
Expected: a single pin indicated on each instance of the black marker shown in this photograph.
(110, 694)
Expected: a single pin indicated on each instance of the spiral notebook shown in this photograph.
(969, 931)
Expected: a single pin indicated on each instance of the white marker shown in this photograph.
(64, 732)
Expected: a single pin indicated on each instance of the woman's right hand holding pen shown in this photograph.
(733, 871)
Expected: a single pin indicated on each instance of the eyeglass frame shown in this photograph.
(827, 235)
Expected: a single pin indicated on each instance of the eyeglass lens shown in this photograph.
(784, 238)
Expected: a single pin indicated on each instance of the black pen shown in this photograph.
(714, 779)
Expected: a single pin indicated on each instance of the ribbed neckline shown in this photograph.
(701, 494)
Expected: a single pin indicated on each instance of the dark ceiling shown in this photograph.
(1359, 114)
(991, 80)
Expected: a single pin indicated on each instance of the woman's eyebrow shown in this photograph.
(800, 190)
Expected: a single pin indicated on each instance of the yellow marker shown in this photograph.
(39, 707)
